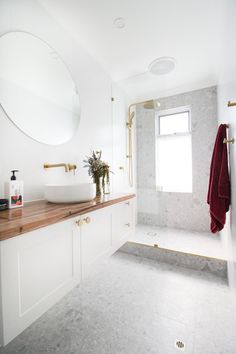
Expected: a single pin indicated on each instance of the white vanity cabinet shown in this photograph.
(103, 232)
(39, 267)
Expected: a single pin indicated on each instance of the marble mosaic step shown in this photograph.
(187, 260)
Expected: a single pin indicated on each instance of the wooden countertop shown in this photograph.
(33, 215)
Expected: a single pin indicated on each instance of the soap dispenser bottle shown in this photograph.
(14, 191)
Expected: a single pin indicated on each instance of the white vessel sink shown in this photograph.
(70, 193)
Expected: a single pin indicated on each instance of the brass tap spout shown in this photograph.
(68, 167)
(51, 165)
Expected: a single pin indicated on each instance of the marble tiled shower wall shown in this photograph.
(181, 210)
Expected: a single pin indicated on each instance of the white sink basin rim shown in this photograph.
(70, 193)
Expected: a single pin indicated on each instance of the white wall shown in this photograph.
(226, 92)
(17, 151)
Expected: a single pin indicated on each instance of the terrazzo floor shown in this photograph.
(200, 243)
(133, 305)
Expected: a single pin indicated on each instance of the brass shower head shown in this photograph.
(151, 104)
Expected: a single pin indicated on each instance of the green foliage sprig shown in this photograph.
(97, 168)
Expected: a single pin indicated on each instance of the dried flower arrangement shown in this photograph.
(98, 170)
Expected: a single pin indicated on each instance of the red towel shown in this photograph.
(219, 183)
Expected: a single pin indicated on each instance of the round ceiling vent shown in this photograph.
(119, 22)
(162, 65)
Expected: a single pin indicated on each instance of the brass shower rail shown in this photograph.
(149, 104)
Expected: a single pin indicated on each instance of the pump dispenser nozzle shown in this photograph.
(13, 177)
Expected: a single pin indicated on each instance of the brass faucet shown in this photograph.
(71, 167)
(68, 167)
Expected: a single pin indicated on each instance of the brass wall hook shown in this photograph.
(228, 141)
(231, 104)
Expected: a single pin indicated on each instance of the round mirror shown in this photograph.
(36, 89)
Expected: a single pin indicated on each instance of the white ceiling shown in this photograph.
(187, 30)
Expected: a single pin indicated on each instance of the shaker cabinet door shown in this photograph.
(37, 269)
(95, 237)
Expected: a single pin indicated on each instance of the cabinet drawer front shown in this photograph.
(122, 220)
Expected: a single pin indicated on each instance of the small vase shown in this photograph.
(98, 186)
(106, 182)
(106, 188)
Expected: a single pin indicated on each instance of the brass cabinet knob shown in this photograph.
(121, 168)
(81, 222)
(128, 224)
(87, 220)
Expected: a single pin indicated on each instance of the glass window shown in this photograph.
(174, 153)
(174, 123)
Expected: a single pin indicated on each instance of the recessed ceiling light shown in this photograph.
(162, 65)
(119, 22)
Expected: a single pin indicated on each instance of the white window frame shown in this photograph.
(168, 112)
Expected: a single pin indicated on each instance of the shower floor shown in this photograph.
(199, 243)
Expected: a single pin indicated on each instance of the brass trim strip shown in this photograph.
(182, 252)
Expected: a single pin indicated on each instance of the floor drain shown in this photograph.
(179, 344)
